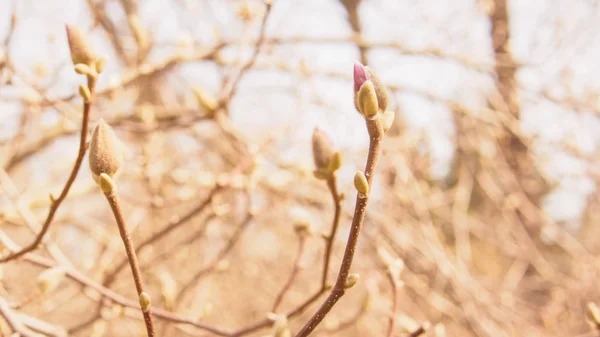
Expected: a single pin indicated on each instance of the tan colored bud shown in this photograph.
(322, 148)
(80, 49)
(336, 161)
(367, 100)
(351, 281)
(105, 152)
(145, 301)
(381, 92)
(387, 119)
(360, 183)
(50, 279)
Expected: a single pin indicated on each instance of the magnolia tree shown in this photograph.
(227, 168)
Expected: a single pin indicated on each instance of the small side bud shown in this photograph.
(145, 301)
(360, 183)
(83, 69)
(351, 281)
(367, 100)
(105, 153)
(322, 147)
(387, 119)
(79, 47)
(50, 279)
(100, 64)
(106, 183)
(85, 92)
(336, 161)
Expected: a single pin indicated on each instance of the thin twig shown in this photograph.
(113, 201)
(396, 285)
(337, 202)
(14, 322)
(376, 135)
(293, 274)
(87, 105)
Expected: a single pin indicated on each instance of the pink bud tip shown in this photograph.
(361, 75)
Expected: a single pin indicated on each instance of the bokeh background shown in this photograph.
(486, 190)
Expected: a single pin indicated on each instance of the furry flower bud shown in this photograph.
(80, 49)
(105, 152)
(322, 147)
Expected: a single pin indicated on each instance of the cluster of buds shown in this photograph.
(105, 156)
(85, 61)
(371, 98)
(327, 159)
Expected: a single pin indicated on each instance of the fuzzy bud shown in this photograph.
(387, 119)
(145, 301)
(50, 279)
(367, 100)
(105, 153)
(360, 183)
(383, 99)
(322, 148)
(351, 281)
(80, 49)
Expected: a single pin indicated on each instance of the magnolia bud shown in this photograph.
(361, 75)
(387, 119)
(351, 281)
(80, 49)
(322, 148)
(105, 153)
(367, 100)
(145, 301)
(360, 183)
(380, 91)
